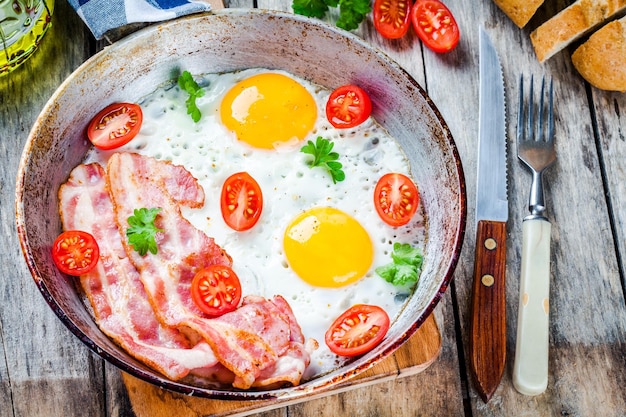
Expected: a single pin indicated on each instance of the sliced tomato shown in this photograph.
(396, 199)
(392, 18)
(435, 25)
(75, 252)
(216, 290)
(115, 125)
(241, 201)
(358, 330)
(348, 106)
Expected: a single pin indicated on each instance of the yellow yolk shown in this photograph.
(267, 110)
(327, 247)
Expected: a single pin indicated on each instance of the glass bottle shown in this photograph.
(23, 24)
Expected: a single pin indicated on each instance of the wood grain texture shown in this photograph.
(44, 370)
(488, 308)
(37, 377)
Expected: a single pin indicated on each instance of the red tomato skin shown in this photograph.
(392, 18)
(115, 125)
(423, 13)
(220, 283)
(391, 194)
(75, 252)
(348, 106)
(369, 333)
(235, 190)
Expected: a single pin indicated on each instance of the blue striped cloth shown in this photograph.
(103, 15)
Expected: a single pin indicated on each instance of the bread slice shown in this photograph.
(601, 60)
(519, 11)
(572, 23)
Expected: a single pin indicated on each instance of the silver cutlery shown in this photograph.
(535, 148)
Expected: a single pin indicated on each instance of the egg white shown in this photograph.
(212, 153)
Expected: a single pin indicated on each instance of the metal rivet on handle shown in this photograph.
(487, 280)
(490, 243)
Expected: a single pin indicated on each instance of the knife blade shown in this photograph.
(488, 304)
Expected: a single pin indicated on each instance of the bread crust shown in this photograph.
(519, 11)
(571, 24)
(601, 60)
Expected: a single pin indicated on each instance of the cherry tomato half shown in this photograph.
(241, 201)
(392, 18)
(216, 290)
(396, 199)
(75, 252)
(348, 106)
(434, 24)
(358, 330)
(115, 125)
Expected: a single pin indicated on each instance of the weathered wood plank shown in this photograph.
(5, 386)
(610, 112)
(117, 403)
(45, 369)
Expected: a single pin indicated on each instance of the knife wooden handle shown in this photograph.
(530, 367)
(488, 315)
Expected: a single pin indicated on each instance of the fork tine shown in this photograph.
(530, 110)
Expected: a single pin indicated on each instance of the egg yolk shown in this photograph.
(327, 247)
(268, 110)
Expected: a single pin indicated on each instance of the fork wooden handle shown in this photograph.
(530, 367)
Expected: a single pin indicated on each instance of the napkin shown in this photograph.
(104, 15)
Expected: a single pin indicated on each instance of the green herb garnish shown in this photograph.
(351, 12)
(142, 231)
(188, 84)
(324, 157)
(406, 265)
(311, 8)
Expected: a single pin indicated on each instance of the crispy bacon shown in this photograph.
(259, 341)
(116, 293)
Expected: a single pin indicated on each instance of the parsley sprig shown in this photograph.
(324, 157)
(188, 84)
(142, 231)
(406, 265)
(351, 12)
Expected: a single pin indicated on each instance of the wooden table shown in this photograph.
(46, 371)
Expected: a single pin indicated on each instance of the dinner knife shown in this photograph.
(488, 304)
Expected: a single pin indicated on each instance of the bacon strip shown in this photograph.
(291, 365)
(114, 289)
(248, 341)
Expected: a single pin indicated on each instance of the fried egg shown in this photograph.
(317, 243)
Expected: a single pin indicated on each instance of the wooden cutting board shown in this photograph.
(413, 357)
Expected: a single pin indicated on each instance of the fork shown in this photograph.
(535, 148)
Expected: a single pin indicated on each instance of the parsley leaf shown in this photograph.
(324, 157)
(351, 12)
(142, 231)
(188, 84)
(310, 8)
(406, 265)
